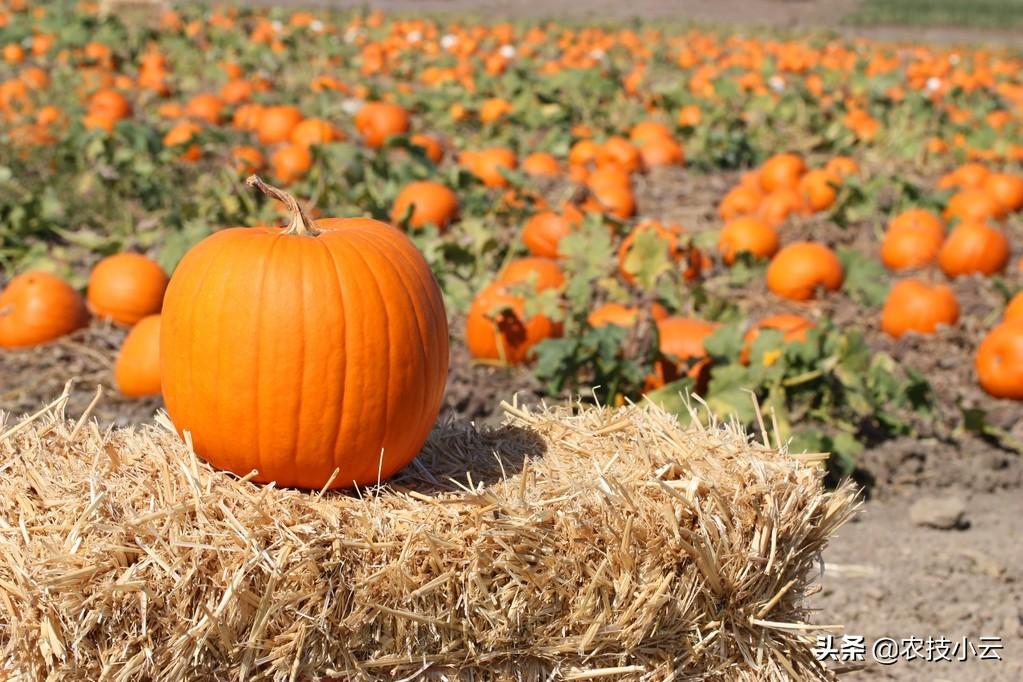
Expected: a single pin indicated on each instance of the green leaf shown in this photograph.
(866, 280)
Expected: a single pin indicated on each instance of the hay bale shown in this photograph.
(603, 543)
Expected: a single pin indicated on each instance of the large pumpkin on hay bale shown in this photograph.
(304, 350)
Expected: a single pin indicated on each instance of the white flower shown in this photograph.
(954, 58)
(597, 54)
(276, 25)
(448, 41)
(506, 51)
(351, 34)
(413, 36)
(351, 105)
(776, 82)
(933, 83)
(316, 25)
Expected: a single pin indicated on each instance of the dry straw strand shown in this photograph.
(569, 543)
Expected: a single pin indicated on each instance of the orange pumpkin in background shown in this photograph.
(324, 347)
(498, 330)
(781, 171)
(913, 240)
(747, 235)
(431, 203)
(999, 361)
(913, 306)
(801, 268)
(275, 124)
(544, 231)
(126, 287)
(377, 121)
(680, 342)
(974, 248)
(792, 327)
(37, 307)
(137, 368)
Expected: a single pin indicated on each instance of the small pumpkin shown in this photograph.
(913, 240)
(126, 287)
(680, 342)
(973, 205)
(431, 203)
(300, 351)
(498, 330)
(1006, 189)
(999, 361)
(974, 247)
(137, 369)
(314, 131)
(781, 171)
(37, 307)
(487, 164)
(272, 124)
(1014, 308)
(543, 273)
(541, 164)
(793, 328)
(613, 313)
(747, 235)
(818, 189)
(377, 121)
(544, 231)
(801, 268)
(740, 201)
(913, 306)
(776, 207)
(291, 162)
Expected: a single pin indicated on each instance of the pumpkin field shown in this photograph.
(812, 235)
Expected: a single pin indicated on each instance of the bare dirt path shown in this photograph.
(887, 577)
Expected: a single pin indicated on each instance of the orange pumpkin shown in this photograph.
(613, 313)
(205, 107)
(323, 345)
(781, 171)
(274, 124)
(973, 205)
(1014, 308)
(913, 306)
(377, 121)
(487, 164)
(740, 201)
(125, 288)
(430, 145)
(799, 269)
(792, 327)
(776, 207)
(680, 342)
(747, 235)
(999, 361)
(544, 273)
(291, 162)
(314, 131)
(818, 189)
(431, 203)
(541, 164)
(137, 369)
(36, 307)
(913, 240)
(180, 135)
(497, 329)
(544, 231)
(974, 247)
(1006, 189)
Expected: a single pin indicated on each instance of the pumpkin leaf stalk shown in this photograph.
(300, 223)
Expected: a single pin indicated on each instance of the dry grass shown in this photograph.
(607, 544)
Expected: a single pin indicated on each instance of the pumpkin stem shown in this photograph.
(300, 222)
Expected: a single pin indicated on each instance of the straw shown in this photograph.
(570, 543)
